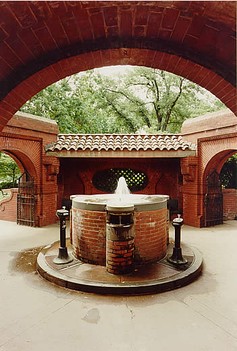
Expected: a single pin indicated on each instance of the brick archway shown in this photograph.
(24, 152)
(21, 206)
(213, 151)
(23, 139)
(217, 162)
(213, 211)
(42, 42)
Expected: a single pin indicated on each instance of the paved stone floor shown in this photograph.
(148, 278)
(37, 315)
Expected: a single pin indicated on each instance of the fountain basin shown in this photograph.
(88, 226)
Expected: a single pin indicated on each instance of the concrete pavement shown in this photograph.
(36, 315)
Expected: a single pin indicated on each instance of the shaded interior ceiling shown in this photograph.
(42, 42)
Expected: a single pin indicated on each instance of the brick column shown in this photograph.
(119, 239)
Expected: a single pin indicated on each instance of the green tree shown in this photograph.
(9, 171)
(160, 101)
(143, 98)
(228, 175)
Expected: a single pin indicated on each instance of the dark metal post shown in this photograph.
(63, 256)
(177, 257)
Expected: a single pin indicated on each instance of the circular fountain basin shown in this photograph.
(88, 225)
(140, 202)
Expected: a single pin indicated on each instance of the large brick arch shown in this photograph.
(26, 153)
(42, 42)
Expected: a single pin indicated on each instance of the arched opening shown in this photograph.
(194, 40)
(228, 178)
(18, 192)
(10, 171)
(55, 40)
(71, 180)
(215, 206)
(228, 174)
(122, 100)
(9, 175)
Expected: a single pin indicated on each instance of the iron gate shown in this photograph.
(26, 200)
(213, 200)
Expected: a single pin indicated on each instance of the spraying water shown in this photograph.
(122, 188)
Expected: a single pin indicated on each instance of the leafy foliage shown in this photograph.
(141, 99)
(228, 175)
(9, 172)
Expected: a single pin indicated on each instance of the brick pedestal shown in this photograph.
(119, 240)
(142, 239)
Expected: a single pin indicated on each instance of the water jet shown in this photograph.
(150, 228)
(120, 246)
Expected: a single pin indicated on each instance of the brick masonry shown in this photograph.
(25, 136)
(216, 138)
(120, 256)
(150, 235)
(163, 174)
(24, 139)
(209, 125)
(229, 203)
(89, 237)
(42, 42)
(8, 208)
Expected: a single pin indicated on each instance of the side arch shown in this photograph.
(212, 152)
(28, 151)
(212, 188)
(23, 161)
(23, 206)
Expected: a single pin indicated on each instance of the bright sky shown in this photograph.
(111, 70)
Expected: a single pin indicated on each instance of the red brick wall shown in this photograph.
(53, 40)
(229, 203)
(216, 138)
(210, 124)
(120, 255)
(190, 191)
(8, 206)
(163, 175)
(33, 126)
(89, 235)
(150, 235)
(24, 138)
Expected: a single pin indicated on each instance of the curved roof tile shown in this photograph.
(108, 142)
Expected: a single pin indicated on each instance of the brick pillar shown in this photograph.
(192, 199)
(119, 239)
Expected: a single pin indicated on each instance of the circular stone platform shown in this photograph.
(150, 278)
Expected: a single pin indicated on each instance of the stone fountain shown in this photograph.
(94, 216)
(120, 245)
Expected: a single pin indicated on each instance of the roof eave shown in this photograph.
(122, 153)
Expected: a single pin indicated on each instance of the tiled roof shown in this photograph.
(118, 142)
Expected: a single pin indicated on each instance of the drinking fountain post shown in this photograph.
(177, 257)
(63, 256)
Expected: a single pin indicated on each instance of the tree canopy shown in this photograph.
(9, 171)
(140, 99)
(228, 174)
